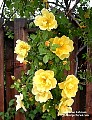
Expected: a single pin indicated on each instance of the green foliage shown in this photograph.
(80, 87)
(9, 114)
(10, 34)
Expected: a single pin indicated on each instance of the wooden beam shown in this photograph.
(9, 68)
(89, 85)
(19, 33)
(1, 67)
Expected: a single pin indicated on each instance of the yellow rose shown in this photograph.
(43, 96)
(44, 80)
(63, 109)
(20, 103)
(64, 106)
(65, 46)
(67, 101)
(69, 86)
(21, 50)
(46, 21)
(34, 90)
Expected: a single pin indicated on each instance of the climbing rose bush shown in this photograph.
(46, 21)
(44, 86)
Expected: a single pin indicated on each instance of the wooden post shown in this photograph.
(1, 67)
(89, 85)
(9, 70)
(19, 33)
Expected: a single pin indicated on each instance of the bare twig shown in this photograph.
(82, 83)
(66, 3)
(81, 49)
(77, 1)
(8, 19)
(57, 4)
(73, 19)
(3, 8)
(76, 68)
(69, 4)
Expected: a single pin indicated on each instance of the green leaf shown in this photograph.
(8, 3)
(45, 35)
(32, 36)
(12, 86)
(57, 59)
(45, 59)
(54, 46)
(53, 112)
(80, 87)
(2, 114)
(42, 50)
(11, 102)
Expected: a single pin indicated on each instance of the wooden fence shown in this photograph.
(9, 66)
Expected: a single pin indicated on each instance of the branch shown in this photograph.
(69, 4)
(8, 19)
(73, 18)
(76, 58)
(57, 4)
(82, 83)
(81, 49)
(76, 67)
(77, 1)
(66, 3)
(3, 8)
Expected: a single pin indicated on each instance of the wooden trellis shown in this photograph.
(9, 66)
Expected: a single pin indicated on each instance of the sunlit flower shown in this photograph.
(46, 21)
(20, 103)
(64, 46)
(69, 86)
(43, 96)
(44, 80)
(65, 106)
(21, 50)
